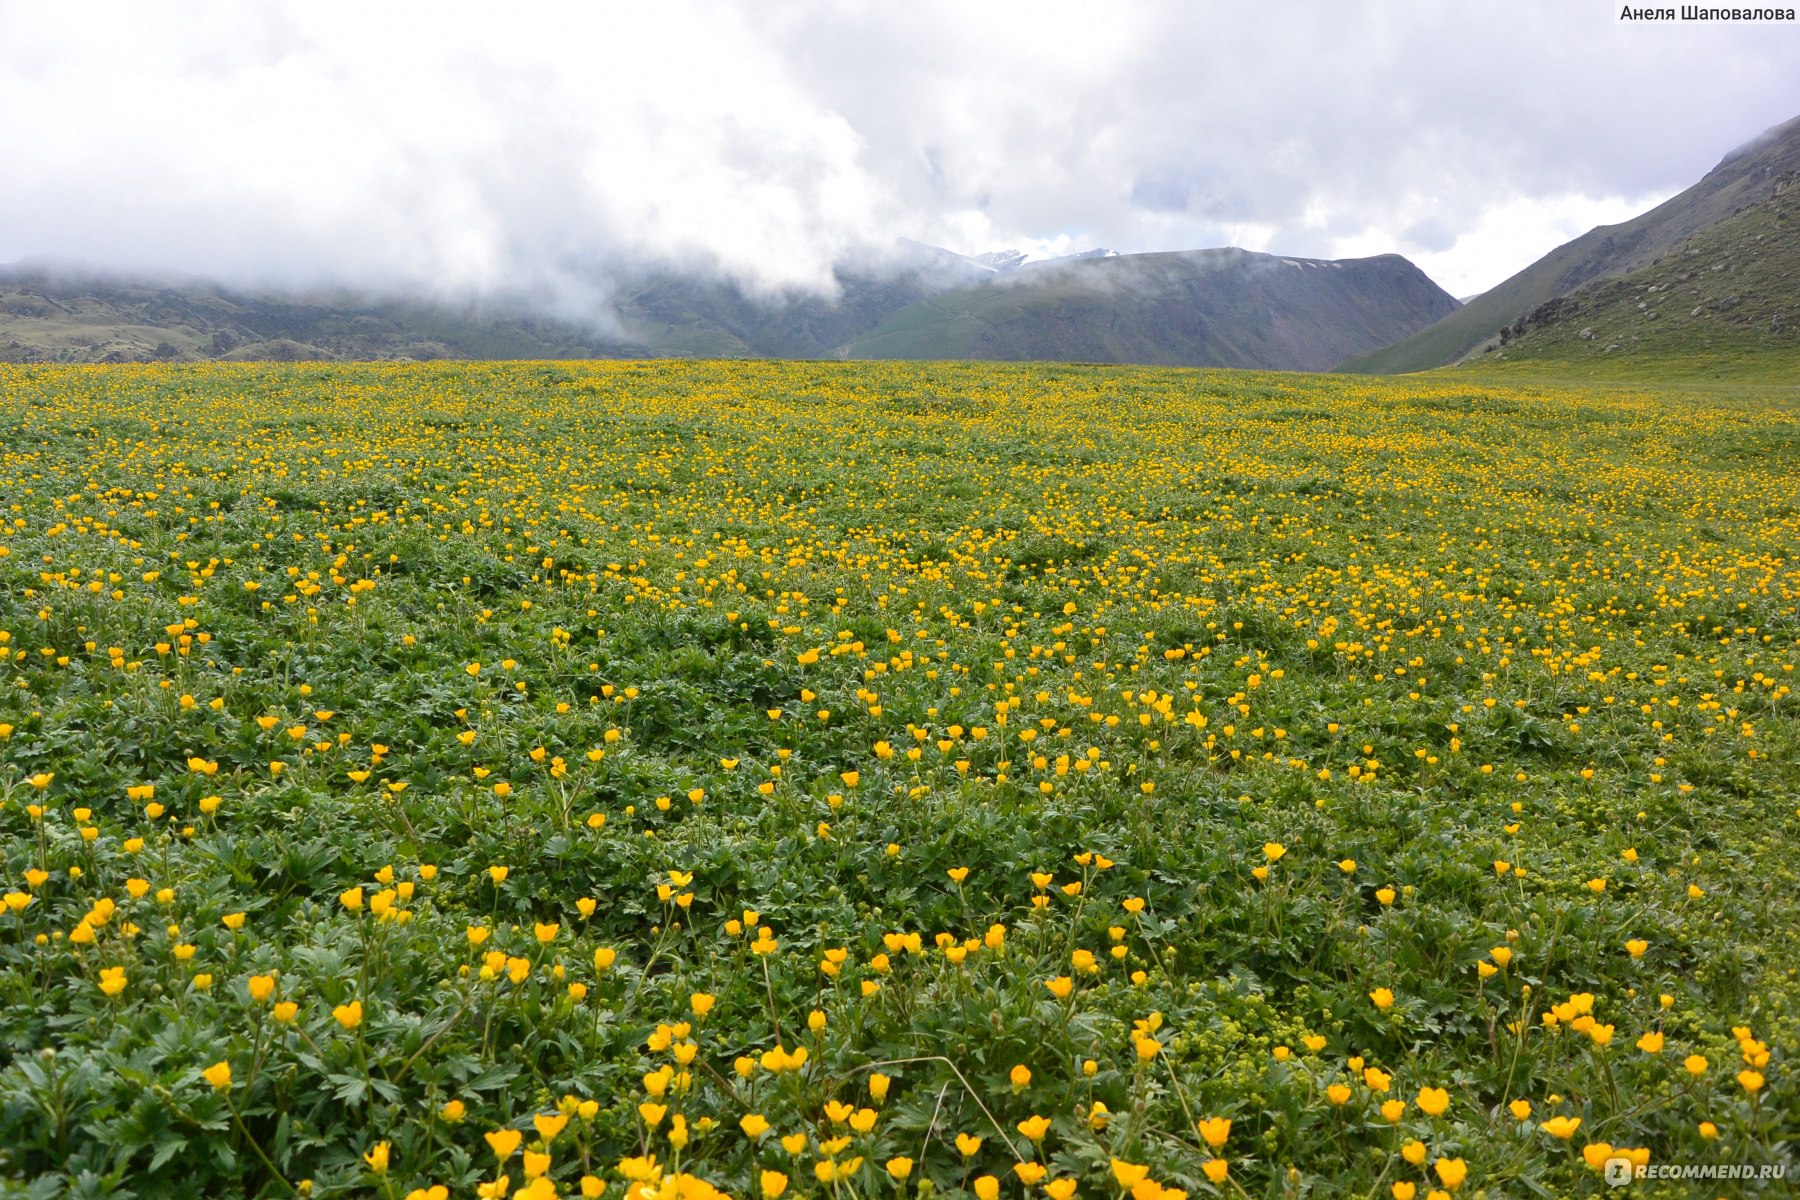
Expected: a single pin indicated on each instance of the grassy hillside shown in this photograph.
(1726, 302)
(59, 316)
(834, 779)
(1745, 177)
(1200, 308)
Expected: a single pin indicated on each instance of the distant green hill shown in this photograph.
(1213, 307)
(1745, 177)
(1222, 308)
(54, 316)
(61, 315)
(1725, 302)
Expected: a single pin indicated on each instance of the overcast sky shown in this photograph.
(482, 148)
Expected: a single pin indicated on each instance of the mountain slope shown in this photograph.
(1226, 308)
(64, 315)
(1744, 177)
(681, 315)
(1726, 300)
(56, 316)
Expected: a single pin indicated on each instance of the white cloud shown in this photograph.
(457, 147)
(1505, 237)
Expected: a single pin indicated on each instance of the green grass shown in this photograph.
(1239, 698)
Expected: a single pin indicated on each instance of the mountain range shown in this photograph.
(1221, 308)
(1203, 308)
(1710, 274)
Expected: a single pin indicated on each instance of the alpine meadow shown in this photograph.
(865, 780)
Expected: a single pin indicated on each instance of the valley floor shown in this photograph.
(850, 779)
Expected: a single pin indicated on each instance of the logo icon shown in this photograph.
(1618, 1171)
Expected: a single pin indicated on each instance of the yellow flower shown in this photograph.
(1651, 1042)
(1273, 851)
(1034, 1128)
(219, 1075)
(548, 1125)
(1215, 1130)
(1695, 1064)
(1433, 1101)
(1129, 1174)
(545, 933)
(968, 1144)
(503, 1142)
(1521, 1110)
(1383, 998)
(754, 1125)
(1561, 1128)
(773, 1184)
(377, 1158)
(1451, 1171)
(1216, 1169)
(899, 1168)
(349, 1015)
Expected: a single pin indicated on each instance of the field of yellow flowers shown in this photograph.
(662, 780)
